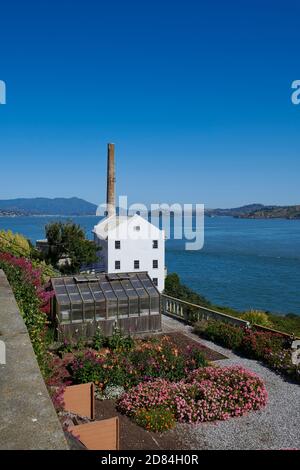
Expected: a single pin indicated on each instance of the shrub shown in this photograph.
(103, 369)
(208, 394)
(270, 348)
(146, 360)
(14, 243)
(281, 361)
(155, 419)
(32, 298)
(98, 339)
(255, 316)
(119, 342)
(225, 334)
(147, 395)
(258, 344)
(60, 376)
(57, 397)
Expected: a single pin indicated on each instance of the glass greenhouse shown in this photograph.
(84, 302)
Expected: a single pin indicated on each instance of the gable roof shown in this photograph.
(109, 225)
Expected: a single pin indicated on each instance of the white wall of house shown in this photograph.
(137, 238)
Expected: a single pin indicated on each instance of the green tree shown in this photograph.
(68, 247)
(14, 243)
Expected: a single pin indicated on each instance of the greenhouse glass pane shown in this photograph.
(75, 298)
(87, 296)
(100, 310)
(121, 294)
(147, 283)
(98, 296)
(72, 289)
(112, 308)
(155, 304)
(134, 306)
(142, 293)
(136, 283)
(89, 312)
(152, 291)
(131, 294)
(60, 290)
(65, 316)
(110, 295)
(77, 316)
(145, 305)
(123, 308)
(63, 299)
(83, 287)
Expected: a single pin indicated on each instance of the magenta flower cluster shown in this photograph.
(32, 276)
(207, 394)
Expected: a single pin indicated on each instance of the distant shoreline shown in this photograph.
(209, 215)
(13, 216)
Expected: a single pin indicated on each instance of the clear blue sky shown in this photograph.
(195, 95)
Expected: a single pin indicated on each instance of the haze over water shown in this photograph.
(244, 263)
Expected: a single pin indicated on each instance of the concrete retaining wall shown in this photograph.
(27, 417)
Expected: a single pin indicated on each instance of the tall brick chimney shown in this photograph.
(111, 179)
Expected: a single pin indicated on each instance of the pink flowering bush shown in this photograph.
(207, 394)
(32, 298)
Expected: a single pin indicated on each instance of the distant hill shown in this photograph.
(236, 211)
(45, 206)
(74, 206)
(258, 211)
(274, 212)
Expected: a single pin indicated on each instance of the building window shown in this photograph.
(155, 264)
(117, 245)
(137, 228)
(136, 264)
(117, 264)
(155, 281)
(155, 244)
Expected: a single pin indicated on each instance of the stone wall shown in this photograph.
(27, 417)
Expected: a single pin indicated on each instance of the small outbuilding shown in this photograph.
(82, 303)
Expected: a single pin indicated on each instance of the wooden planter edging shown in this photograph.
(98, 435)
(80, 400)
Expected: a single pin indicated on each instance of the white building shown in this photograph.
(132, 244)
(129, 243)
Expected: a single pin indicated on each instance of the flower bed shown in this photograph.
(32, 298)
(155, 384)
(128, 362)
(270, 348)
(207, 394)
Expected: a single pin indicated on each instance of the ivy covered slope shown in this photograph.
(289, 323)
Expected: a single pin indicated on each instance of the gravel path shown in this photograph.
(277, 426)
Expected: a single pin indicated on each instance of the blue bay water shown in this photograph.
(244, 263)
